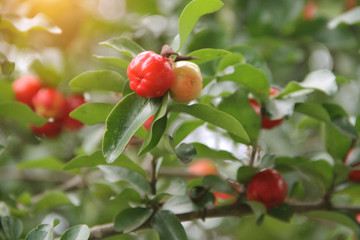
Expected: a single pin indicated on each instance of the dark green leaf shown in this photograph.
(208, 54)
(20, 112)
(185, 152)
(217, 184)
(168, 226)
(12, 227)
(49, 163)
(184, 129)
(245, 173)
(282, 212)
(116, 62)
(127, 116)
(215, 117)
(204, 151)
(106, 80)
(78, 232)
(334, 217)
(41, 232)
(92, 113)
(131, 218)
(124, 46)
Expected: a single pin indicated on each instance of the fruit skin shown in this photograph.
(73, 102)
(49, 103)
(148, 122)
(25, 89)
(187, 84)
(267, 187)
(266, 122)
(310, 10)
(150, 74)
(202, 167)
(223, 198)
(49, 129)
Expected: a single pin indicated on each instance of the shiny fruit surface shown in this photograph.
(25, 89)
(73, 102)
(49, 103)
(49, 129)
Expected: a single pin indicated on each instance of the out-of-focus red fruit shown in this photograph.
(148, 122)
(223, 198)
(310, 10)
(202, 167)
(350, 4)
(354, 175)
(73, 102)
(49, 103)
(49, 129)
(25, 89)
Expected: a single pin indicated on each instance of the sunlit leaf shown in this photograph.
(184, 129)
(78, 232)
(41, 232)
(52, 199)
(49, 163)
(204, 151)
(116, 62)
(124, 46)
(208, 54)
(6, 92)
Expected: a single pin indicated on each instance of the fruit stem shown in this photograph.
(167, 52)
(253, 154)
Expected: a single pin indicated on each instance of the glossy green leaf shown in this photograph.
(217, 184)
(97, 158)
(12, 227)
(124, 46)
(157, 128)
(314, 110)
(345, 127)
(20, 112)
(106, 80)
(245, 173)
(334, 217)
(337, 145)
(6, 92)
(78, 232)
(215, 117)
(131, 218)
(350, 17)
(184, 129)
(230, 60)
(185, 152)
(190, 15)
(49, 163)
(23, 24)
(168, 226)
(41, 232)
(114, 61)
(52, 199)
(247, 75)
(92, 113)
(204, 151)
(208, 54)
(127, 116)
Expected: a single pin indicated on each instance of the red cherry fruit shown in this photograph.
(202, 167)
(223, 198)
(150, 74)
(266, 122)
(49, 103)
(148, 122)
(267, 187)
(73, 102)
(25, 88)
(354, 175)
(49, 129)
(310, 10)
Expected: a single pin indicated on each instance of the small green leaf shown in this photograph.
(349, 17)
(92, 113)
(258, 209)
(204, 151)
(106, 80)
(334, 217)
(6, 66)
(184, 129)
(185, 152)
(124, 120)
(52, 199)
(245, 173)
(314, 110)
(168, 226)
(116, 62)
(190, 15)
(217, 184)
(48, 74)
(214, 116)
(49, 163)
(282, 212)
(12, 227)
(6, 92)
(208, 54)
(78, 232)
(124, 46)
(131, 218)
(20, 112)
(41, 232)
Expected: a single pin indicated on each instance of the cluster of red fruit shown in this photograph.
(152, 75)
(266, 186)
(49, 103)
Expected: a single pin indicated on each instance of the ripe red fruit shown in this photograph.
(267, 187)
(202, 167)
(25, 88)
(354, 175)
(73, 101)
(49, 103)
(187, 84)
(223, 198)
(150, 74)
(310, 10)
(49, 129)
(266, 122)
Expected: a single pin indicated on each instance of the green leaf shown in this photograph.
(314, 110)
(215, 117)
(321, 80)
(184, 129)
(334, 217)
(345, 127)
(78, 232)
(49, 163)
(23, 24)
(190, 15)
(168, 226)
(337, 145)
(217, 184)
(249, 76)
(157, 127)
(185, 152)
(127, 116)
(20, 112)
(124, 46)
(12, 227)
(6, 92)
(48, 74)
(97, 159)
(41, 232)
(52, 199)
(245, 173)
(349, 17)
(131, 218)
(116, 62)
(230, 60)
(204, 151)
(6, 66)
(92, 113)
(283, 212)
(208, 54)
(106, 80)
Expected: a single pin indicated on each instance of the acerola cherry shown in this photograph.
(150, 74)
(25, 88)
(49, 103)
(266, 122)
(354, 175)
(49, 129)
(267, 187)
(310, 10)
(187, 84)
(223, 198)
(73, 101)
(202, 167)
